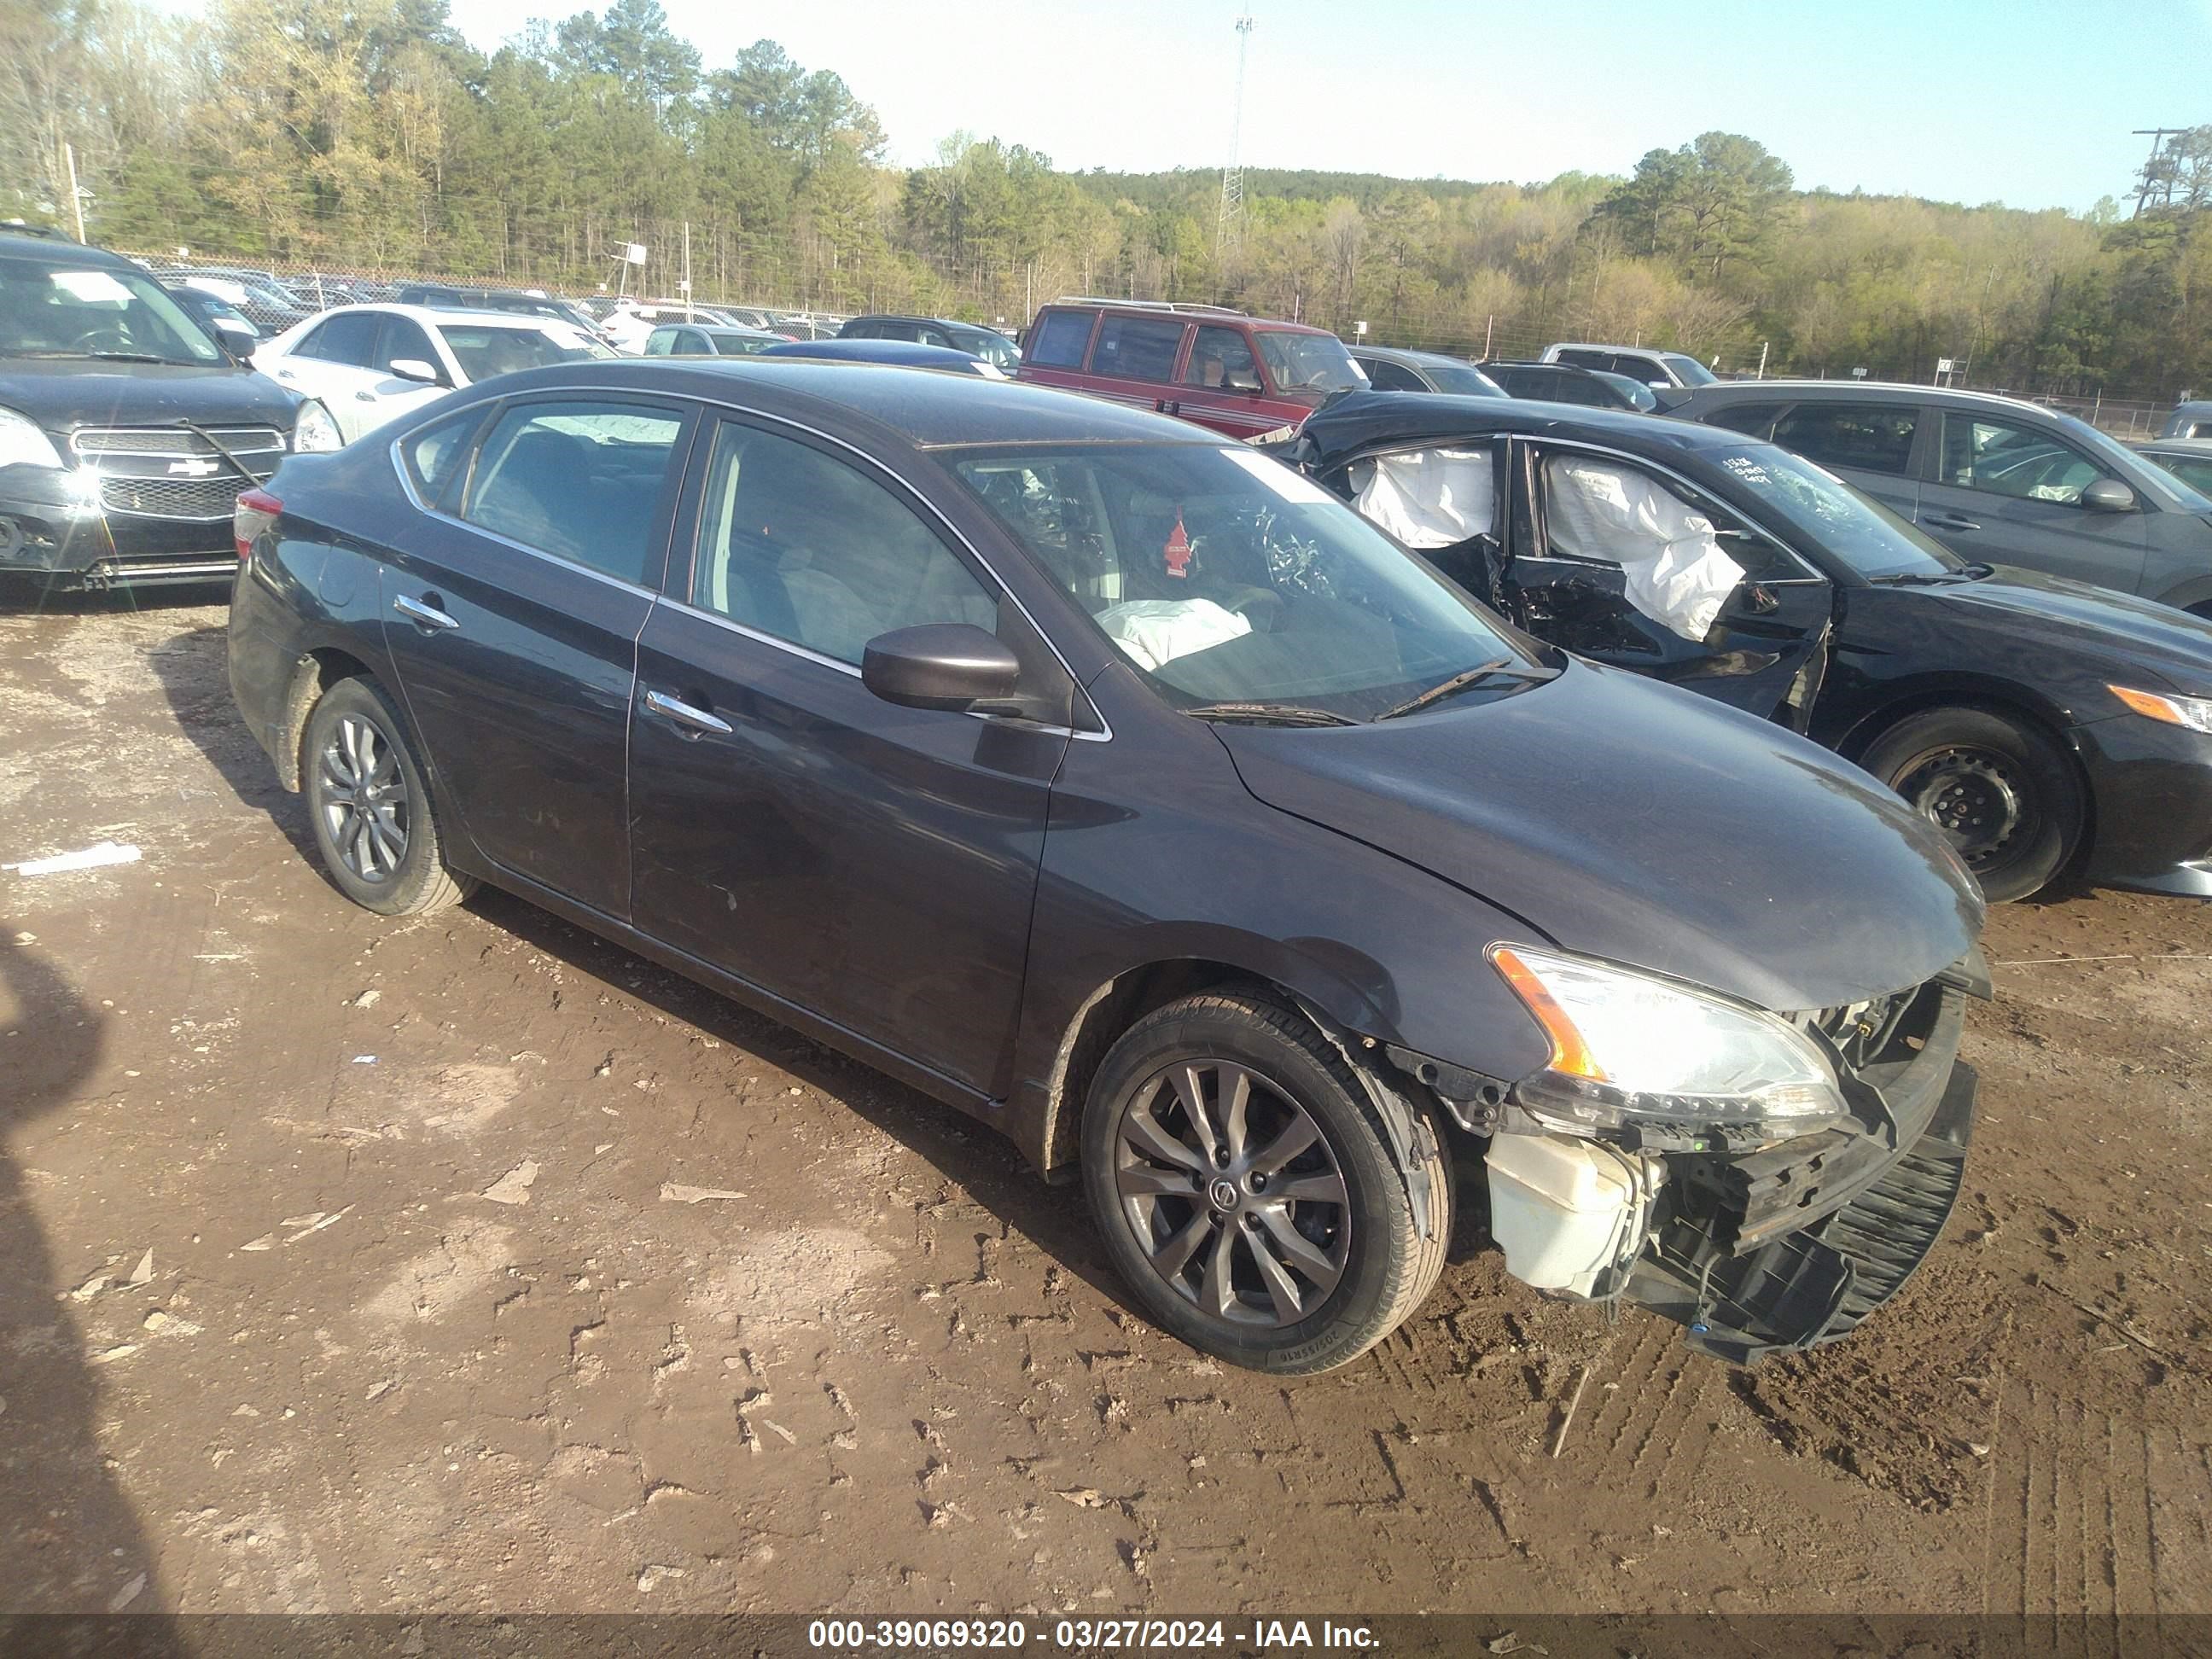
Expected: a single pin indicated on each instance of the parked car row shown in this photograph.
(1392, 865)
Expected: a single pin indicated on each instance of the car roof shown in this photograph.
(737, 329)
(900, 405)
(909, 352)
(1600, 345)
(2176, 446)
(917, 317)
(447, 316)
(1884, 392)
(1359, 419)
(1218, 314)
(1411, 358)
(20, 242)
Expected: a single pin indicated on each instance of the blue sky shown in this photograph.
(2026, 101)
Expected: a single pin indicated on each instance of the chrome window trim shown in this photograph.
(1105, 733)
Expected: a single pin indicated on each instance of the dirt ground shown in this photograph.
(472, 1264)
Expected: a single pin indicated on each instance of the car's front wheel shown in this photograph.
(1247, 1191)
(370, 806)
(2008, 796)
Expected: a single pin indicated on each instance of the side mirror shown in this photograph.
(950, 666)
(2109, 496)
(414, 369)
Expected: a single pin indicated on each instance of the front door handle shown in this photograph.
(1949, 521)
(364, 397)
(424, 612)
(695, 721)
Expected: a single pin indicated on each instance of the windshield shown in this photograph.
(1313, 363)
(1224, 577)
(59, 309)
(1861, 533)
(486, 349)
(1467, 382)
(1689, 371)
(2162, 486)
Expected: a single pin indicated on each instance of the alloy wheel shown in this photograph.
(1233, 1192)
(363, 799)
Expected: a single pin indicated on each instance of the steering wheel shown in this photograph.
(1262, 607)
(101, 339)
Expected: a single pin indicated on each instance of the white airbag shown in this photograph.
(1429, 497)
(1155, 632)
(1676, 573)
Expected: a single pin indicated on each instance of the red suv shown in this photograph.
(1238, 374)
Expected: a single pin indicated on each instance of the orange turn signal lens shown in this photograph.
(2150, 703)
(1570, 1052)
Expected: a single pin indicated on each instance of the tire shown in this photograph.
(1349, 1265)
(2008, 796)
(388, 858)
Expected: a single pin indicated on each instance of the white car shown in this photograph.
(370, 364)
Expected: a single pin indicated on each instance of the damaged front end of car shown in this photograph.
(1765, 1179)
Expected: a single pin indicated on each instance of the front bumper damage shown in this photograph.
(56, 528)
(1758, 1249)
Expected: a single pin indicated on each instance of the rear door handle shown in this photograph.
(683, 714)
(424, 612)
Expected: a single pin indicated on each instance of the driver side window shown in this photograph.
(2000, 458)
(803, 547)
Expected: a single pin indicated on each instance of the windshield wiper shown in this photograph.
(1459, 682)
(104, 356)
(1269, 713)
(1965, 573)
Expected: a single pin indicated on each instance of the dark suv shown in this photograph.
(1564, 383)
(1994, 479)
(126, 432)
(993, 347)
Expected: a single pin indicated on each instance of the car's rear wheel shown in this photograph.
(370, 805)
(2007, 795)
(1247, 1191)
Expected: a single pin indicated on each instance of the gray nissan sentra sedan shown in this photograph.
(1118, 786)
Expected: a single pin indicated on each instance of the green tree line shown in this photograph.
(368, 135)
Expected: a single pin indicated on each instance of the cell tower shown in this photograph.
(1229, 224)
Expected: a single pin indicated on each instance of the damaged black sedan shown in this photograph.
(2056, 731)
(1120, 786)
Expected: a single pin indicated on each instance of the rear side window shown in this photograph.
(433, 456)
(1756, 419)
(1871, 437)
(1137, 348)
(1586, 359)
(1061, 339)
(581, 481)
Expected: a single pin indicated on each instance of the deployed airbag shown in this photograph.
(1429, 497)
(1676, 573)
(1155, 632)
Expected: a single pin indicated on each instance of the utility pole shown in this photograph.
(688, 309)
(2158, 136)
(1228, 223)
(76, 201)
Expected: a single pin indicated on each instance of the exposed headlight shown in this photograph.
(22, 443)
(315, 430)
(1627, 1049)
(2195, 713)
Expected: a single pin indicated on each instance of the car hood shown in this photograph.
(62, 392)
(1641, 824)
(2051, 610)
